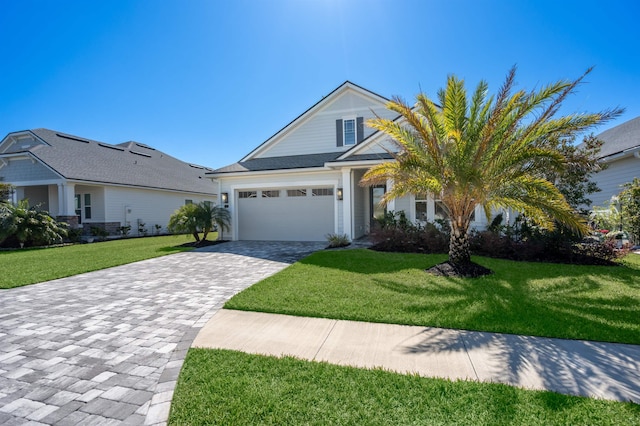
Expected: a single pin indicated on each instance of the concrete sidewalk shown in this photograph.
(594, 369)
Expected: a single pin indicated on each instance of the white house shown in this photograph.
(90, 183)
(621, 153)
(303, 182)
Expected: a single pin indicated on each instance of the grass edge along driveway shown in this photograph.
(600, 303)
(30, 266)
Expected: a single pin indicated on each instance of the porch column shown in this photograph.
(66, 199)
(347, 199)
(391, 206)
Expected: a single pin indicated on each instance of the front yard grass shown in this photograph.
(227, 387)
(29, 266)
(539, 299)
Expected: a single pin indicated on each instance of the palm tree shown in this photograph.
(196, 218)
(185, 220)
(211, 215)
(486, 150)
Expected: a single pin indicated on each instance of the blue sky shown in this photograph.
(207, 81)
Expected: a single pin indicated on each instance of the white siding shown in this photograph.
(151, 207)
(610, 180)
(97, 202)
(318, 133)
(381, 147)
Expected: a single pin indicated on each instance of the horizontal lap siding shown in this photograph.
(610, 180)
(152, 207)
(318, 134)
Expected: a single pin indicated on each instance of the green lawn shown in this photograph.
(232, 388)
(28, 266)
(539, 299)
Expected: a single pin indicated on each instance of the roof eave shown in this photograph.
(217, 175)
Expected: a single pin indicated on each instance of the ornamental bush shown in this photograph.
(24, 226)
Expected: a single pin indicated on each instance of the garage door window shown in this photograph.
(271, 194)
(321, 192)
(247, 194)
(296, 192)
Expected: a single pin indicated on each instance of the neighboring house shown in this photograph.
(621, 153)
(88, 183)
(303, 182)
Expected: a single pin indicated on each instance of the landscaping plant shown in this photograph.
(199, 218)
(21, 225)
(483, 150)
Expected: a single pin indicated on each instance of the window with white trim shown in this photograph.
(421, 207)
(247, 194)
(271, 193)
(349, 131)
(87, 206)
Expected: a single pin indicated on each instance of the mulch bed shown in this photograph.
(470, 270)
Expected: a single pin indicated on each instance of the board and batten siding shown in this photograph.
(153, 207)
(318, 133)
(611, 179)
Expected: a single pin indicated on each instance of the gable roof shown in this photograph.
(617, 140)
(130, 163)
(347, 85)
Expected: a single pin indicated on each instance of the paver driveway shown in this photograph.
(106, 347)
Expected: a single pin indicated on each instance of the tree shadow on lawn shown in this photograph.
(547, 303)
(570, 301)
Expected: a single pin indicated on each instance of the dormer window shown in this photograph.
(349, 131)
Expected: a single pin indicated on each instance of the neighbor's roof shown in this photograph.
(621, 138)
(129, 163)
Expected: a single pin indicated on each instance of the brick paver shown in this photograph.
(106, 347)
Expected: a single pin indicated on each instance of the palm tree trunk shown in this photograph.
(459, 253)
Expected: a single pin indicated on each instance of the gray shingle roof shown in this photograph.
(280, 163)
(293, 162)
(620, 138)
(129, 163)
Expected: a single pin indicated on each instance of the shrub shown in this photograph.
(21, 225)
(338, 240)
(99, 232)
(396, 233)
(520, 241)
(74, 234)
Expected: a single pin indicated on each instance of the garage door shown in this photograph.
(286, 214)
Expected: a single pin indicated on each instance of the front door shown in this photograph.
(375, 207)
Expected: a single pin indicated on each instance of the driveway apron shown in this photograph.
(106, 347)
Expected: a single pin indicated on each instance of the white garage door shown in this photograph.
(286, 214)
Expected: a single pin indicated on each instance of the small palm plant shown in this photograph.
(196, 218)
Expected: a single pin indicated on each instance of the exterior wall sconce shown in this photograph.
(339, 194)
(224, 198)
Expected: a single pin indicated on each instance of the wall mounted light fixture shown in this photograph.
(224, 197)
(339, 193)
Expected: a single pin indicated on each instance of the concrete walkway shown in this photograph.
(594, 369)
(106, 347)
